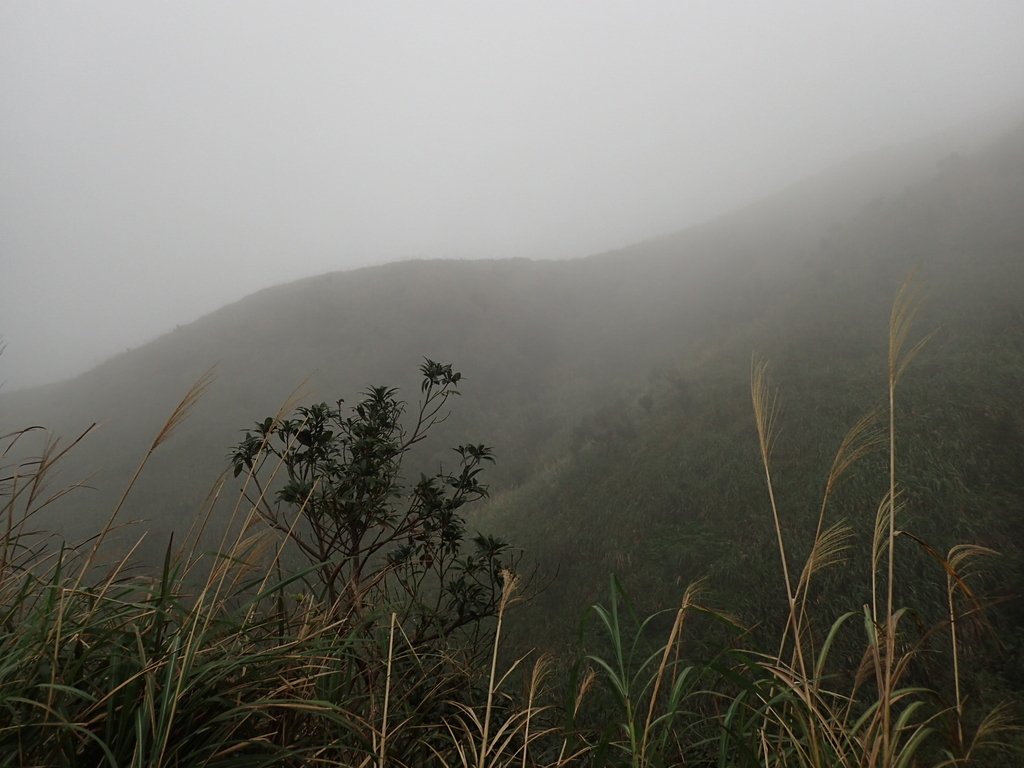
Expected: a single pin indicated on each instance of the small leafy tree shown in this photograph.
(330, 480)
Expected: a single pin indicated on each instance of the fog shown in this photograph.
(158, 160)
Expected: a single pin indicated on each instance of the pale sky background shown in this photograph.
(161, 159)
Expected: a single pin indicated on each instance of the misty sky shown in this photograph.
(160, 159)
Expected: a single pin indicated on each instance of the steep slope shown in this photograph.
(667, 487)
(615, 388)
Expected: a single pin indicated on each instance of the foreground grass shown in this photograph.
(227, 660)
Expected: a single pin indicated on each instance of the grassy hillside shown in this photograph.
(612, 387)
(664, 485)
(616, 391)
(542, 344)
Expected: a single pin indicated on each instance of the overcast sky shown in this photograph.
(160, 159)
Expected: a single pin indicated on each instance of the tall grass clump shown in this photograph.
(658, 701)
(880, 704)
(253, 655)
(346, 619)
(888, 715)
(105, 666)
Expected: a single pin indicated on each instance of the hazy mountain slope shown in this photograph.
(669, 487)
(530, 338)
(558, 356)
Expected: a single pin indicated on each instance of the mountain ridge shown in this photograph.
(614, 387)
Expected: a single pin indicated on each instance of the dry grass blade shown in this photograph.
(862, 439)
(962, 555)
(511, 739)
(182, 410)
(904, 310)
(880, 543)
(474, 740)
(881, 530)
(997, 724)
(589, 678)
(541, 667)
(178, 415)
(693, 591)
(36, 472)
(829, 549)
(510, 583)
(765, 402)
(822, 720)
(383, 748)
(956, 562)
(15, 436)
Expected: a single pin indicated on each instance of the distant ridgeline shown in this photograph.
(615, 390)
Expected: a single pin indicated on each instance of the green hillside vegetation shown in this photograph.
(544, 343)
(616, 392)
(374, 651)
(670, 467)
